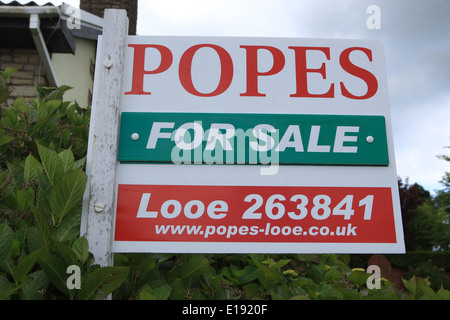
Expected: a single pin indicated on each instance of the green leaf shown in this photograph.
(149, 293)
(25, 265)
(162, 293)
(35, 239)
(32, 165)
(8, 72)
(11, 116)
(81, 249)
(24, 198)
(102, 282)
(423, 290)
(427, 293)
(191, 269)
(4, 94)
(333, 275)
(410, 285)
(147, 269)
(21, 105)
(195, 266)
(145, 294)
(67, 159)
(45, 186)
(65, 253)
(57, 93)
(55, 271)
(38, 281)
(4, 139)
(18, 242)
(53, 165)
(178, 291)
(52, 105)
(272, 264)
(43, 228)
(443, 294)
(240, 276)
(6, 288)
(79, 163)
(42, 112)
(8, 265)
(67, 193)
(267, 276)
(253, 290)
(358, 277)
(6, 240)
(69, 228)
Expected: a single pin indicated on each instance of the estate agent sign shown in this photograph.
(251, 145)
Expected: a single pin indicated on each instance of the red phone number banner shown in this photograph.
(254, 214)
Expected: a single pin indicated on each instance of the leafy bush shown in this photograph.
(257, 276)
(43, 146)
(427, 270)
(425, 264)
(440, 259)
(42, 182)
(233, 277)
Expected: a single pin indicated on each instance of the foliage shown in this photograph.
(257, 276)
(429, 230)
(43, 144)
(440, 259)
(419, 289)
(46, 120)
(42, 183)
(426, 219)
(427, 270)
(234, 277)
(4, 76)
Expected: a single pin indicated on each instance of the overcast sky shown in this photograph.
(416, 35)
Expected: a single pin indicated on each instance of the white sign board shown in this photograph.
(315, 111)
(256, 208)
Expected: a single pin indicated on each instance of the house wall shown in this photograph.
(30, 71)
(77, 71)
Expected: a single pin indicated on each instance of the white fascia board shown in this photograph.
(64, 11)
(87, 19)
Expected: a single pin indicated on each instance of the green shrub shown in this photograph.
(43, 145)
(440, 259)
(427, 270)
(42, 182)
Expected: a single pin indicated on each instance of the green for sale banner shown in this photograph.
(219, 138)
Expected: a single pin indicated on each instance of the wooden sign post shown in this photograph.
(102, 149)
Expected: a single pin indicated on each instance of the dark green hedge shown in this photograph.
(404, 261)
(407, 260)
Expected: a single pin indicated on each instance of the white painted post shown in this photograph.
(103, 138)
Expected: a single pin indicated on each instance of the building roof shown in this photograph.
(59, 25)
